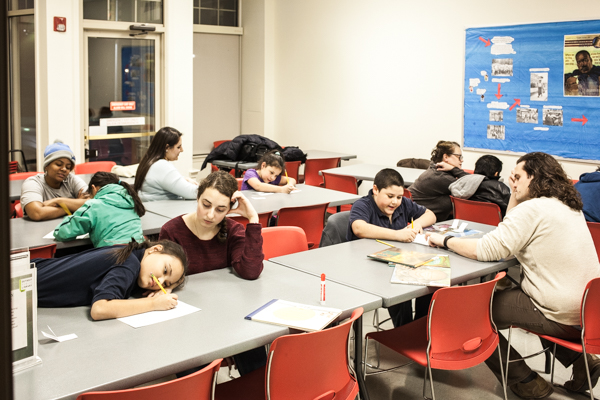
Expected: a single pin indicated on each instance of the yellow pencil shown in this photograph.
(287, 179)
(424, 262)
(158, 283)
(381, 241)
(412, 223)
(64, 207)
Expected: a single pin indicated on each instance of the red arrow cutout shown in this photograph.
(498, 95)
(583, 120)
(517, 101)
(486, 41)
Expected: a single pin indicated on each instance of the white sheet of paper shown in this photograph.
(258, 198)
(455, 224)
(420, 239)
(154, 317)
(51, 236)
(264, 193)
(462, 227)
(18, 319)
(62, 338)
(295, 191)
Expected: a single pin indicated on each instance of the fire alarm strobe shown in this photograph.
(60, 24)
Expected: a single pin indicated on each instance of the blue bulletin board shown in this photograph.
(534, 88)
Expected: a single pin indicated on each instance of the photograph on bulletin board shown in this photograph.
(534, 87)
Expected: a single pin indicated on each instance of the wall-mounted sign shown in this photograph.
(122, 105)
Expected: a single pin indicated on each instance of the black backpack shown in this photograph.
(252, 152)
(293, 153)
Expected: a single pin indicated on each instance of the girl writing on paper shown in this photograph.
(111, 217)
(267, 178)
(156, 177)
(106, 277)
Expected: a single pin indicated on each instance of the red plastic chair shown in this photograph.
(18, 209)
(47, 251)
(93, 167)
(407, 194)
(292, 168)
(470, 171)
(309, 218)
(476, 211)
(197, 386)
(299, 367)
(263, 219)
(283, 240)
(217, 143)
(19, 176)
(452, 336)
(594, 228)
(590, 330)
(313, 166)
(341, 183)
(13, 167)
(240, 182)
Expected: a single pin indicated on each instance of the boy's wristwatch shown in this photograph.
(446, 241)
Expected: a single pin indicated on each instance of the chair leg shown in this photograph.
(587, 370)
(502, 372)
(428, 372)
(552, 366)
(547, 364)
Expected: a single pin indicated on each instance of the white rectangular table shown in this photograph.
(307, 195)
(347, 263)
(27, 233)
(367, 172)
(110, 355)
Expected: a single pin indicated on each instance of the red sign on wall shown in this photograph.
(122, 105)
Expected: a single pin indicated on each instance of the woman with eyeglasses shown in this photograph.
(431, 189)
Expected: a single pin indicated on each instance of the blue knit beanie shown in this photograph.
(57, 150)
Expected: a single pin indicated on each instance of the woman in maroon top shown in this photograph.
(212, 241)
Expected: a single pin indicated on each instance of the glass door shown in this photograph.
(122, 94)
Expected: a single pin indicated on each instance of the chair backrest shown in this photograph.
(336, 229)
(590, 316)
(341, 183)
(309, 218)
(93, 167)
(19, 176)
(292, 168)
(476, 211)
(198, 386)
(47, 251)
(594, 228)
(217, 143)
(469, 171)
(18, 210)
(312, 365)
(313, 166)
(240, 182)
(461, 336)
(283, 240)
(263, 219)
(407, 194)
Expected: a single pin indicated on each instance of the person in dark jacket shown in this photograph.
(589, 189)
(484, 184)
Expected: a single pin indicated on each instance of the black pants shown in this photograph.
(514, 307)
(402, 314)
(245, 362)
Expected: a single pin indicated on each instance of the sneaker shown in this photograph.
(538, 388)
(579, 382)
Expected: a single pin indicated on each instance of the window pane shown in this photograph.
(228, 5)
(227, 18)
(196, 3)
(209, 4)
(196, 16)
(121, 70)
(20, 5)
(208, 17)
(122, 10)
(22, 67)
(95, 9)
(149, 11)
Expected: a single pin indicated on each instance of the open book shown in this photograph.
(295, 315)
(399, 256)
(435, 272)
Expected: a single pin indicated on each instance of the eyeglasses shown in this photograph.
(460, 156)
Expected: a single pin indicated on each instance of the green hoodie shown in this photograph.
(109, 218)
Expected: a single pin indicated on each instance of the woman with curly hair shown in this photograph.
(431, 189)
(546, 231)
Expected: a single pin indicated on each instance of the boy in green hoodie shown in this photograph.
(111, 217)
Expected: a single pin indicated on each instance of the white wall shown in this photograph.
(384, 78)
(58, 77)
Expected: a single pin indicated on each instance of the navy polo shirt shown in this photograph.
(84, 278)
(365, 209)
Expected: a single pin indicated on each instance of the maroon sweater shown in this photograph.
(242, 250)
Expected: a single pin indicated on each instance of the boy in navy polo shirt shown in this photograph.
(385, 214)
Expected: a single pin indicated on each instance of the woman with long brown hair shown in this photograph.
(156, 177)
